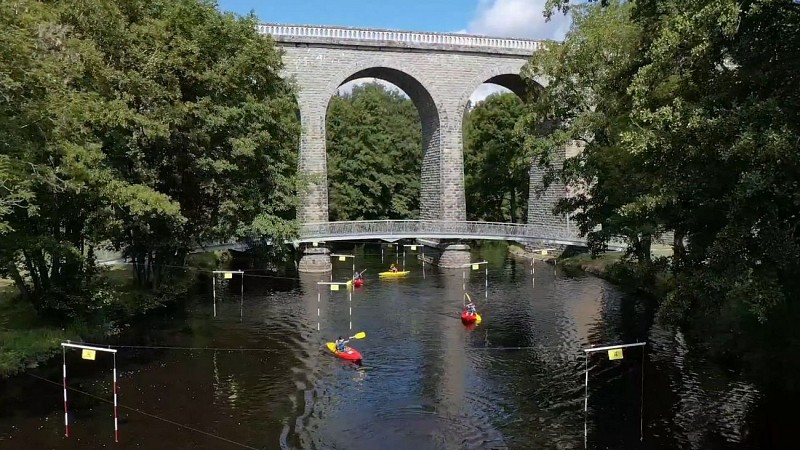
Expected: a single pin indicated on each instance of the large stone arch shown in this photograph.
(430, 113)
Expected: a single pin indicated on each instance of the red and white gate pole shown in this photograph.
(89, 353)
(116, 424)
(66, 417)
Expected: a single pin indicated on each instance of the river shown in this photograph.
(515, 381)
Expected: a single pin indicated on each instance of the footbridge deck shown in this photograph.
(433, 229)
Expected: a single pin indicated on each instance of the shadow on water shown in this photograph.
(427, 381)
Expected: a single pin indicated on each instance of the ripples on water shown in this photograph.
(427, 381)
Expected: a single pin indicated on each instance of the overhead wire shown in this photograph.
(278, 277)
(144, 413)
(172, 347)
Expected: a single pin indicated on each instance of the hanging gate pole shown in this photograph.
(66, 419)
(89, 352)
(116, 420)
(614, 352)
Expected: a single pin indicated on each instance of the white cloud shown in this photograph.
(348, 87)
(484, 91)
(513, 19)
(500, 18)
(517, 19)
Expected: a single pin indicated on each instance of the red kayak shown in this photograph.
(349, 353)
(358, 282)
(466, 317)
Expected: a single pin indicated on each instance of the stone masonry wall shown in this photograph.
(440, 83)
(541, 204)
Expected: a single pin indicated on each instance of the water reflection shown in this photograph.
(427, 381)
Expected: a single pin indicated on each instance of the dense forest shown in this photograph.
(496, 166)
(374, 155)
(152, 126)
(690, 116)
(144, 126)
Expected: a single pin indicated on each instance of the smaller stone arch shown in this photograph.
(506, 75)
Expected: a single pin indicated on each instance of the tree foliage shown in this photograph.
(153, 125)
(374, 155)
(496, 166)
(690, 115)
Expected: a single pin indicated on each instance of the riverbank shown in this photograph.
(26, 340)
(608, 266)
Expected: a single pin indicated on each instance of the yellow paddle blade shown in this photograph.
(331, 346)
(478, 320)
(360, 335)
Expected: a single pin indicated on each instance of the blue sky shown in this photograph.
(501, 18)
(414, 15)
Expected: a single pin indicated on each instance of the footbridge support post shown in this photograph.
(455, 256)
(315, 260)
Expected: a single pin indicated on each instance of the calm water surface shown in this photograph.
(515, 381)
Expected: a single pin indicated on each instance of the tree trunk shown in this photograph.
(678, 249)
(513, 205)
(34, 274)
(643, 248)
(24, 291)
(44, 274)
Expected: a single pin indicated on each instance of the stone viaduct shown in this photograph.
(439, 72)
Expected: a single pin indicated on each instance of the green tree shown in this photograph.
(374, 155)
(48, 163)
(199, 127)
(496, 165)
(728, 136)
(584, 102)
(154, 125)
(691, 116)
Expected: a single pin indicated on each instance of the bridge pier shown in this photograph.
(455, 256)
(315, 260)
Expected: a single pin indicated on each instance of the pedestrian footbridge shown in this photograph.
(392, 230)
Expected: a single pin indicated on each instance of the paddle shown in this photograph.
(361, 273)
(359, 335)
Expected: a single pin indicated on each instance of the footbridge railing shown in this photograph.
(433, 229)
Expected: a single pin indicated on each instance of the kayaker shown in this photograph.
(356, 276)
(471, 309)
(393, 268)
(340, 344)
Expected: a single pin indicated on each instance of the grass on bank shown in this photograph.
(628, 275)
(611, 267)
(25, 340)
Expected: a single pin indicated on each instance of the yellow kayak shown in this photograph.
(391, 274)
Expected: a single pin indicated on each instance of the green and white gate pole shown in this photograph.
(614, 353)
(343, 258)
(477, 266)
(413, 248)
(227, 274)
(334, 286)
